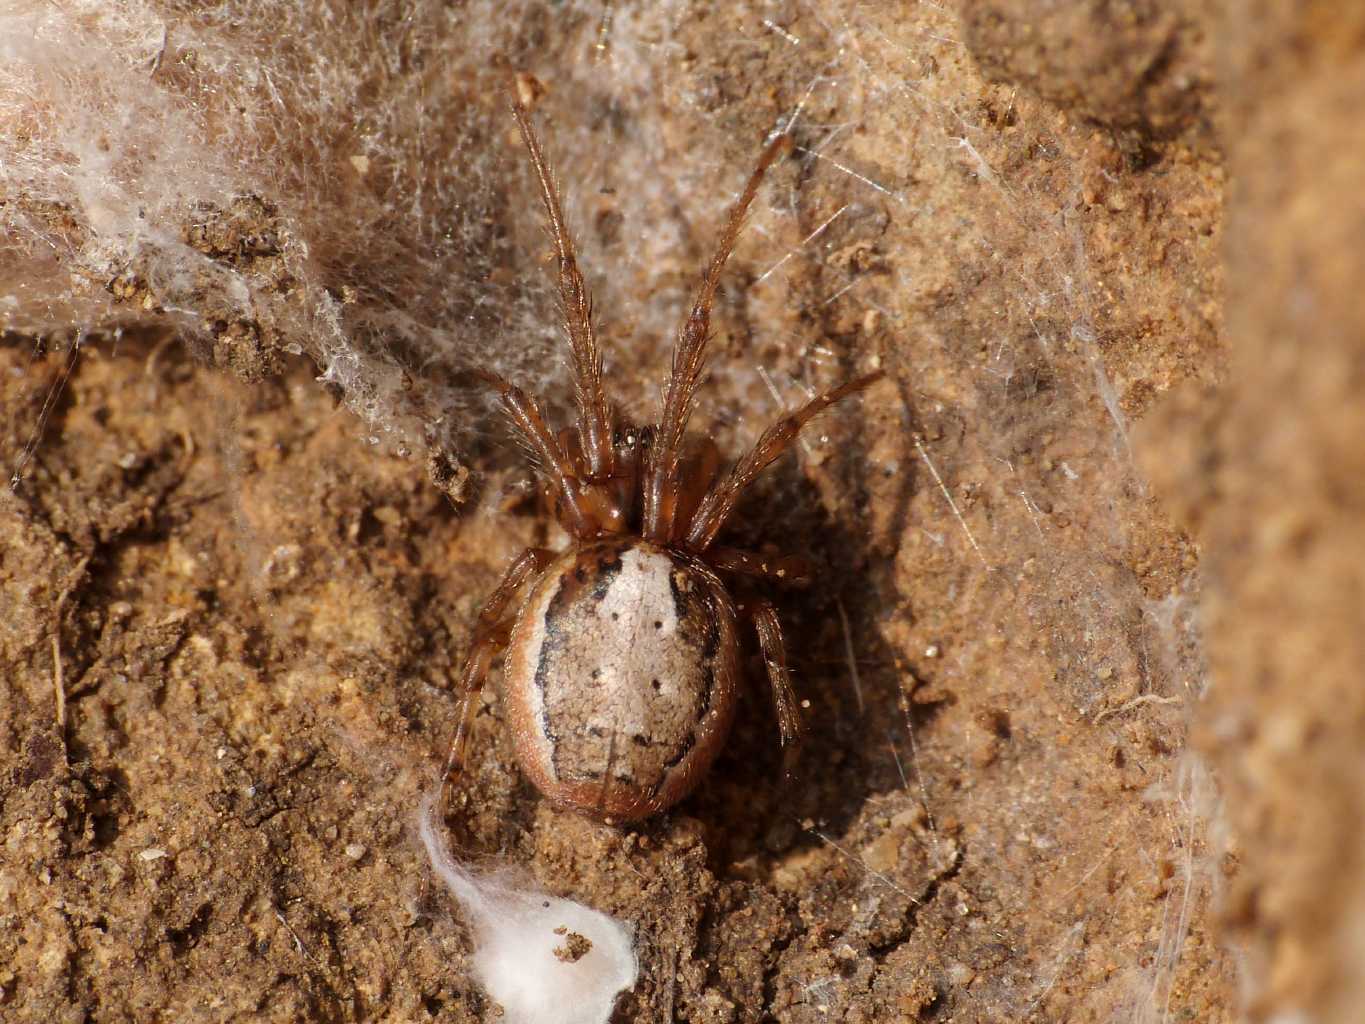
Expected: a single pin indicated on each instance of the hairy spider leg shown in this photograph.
(716, 507)
(574, 507)
(490, 636)
(791, 569)
(594, 412)
(789, 724)
(696, 474)
(689, 362)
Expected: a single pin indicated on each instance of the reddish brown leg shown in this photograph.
(718, 505)
(594, 414)
(791, 569)
(542, 448)
(689, 360)
(696, 475)
(775, 657)
(490, 637)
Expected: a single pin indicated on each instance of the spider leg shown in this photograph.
(544, 451)
(689, 361)
(717, 506)
(790, 569)
(696, 473)
(789, 723)
(594, 412)
(490, 636)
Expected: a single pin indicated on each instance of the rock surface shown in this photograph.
(250, 255)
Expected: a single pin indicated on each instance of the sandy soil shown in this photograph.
(234, 601)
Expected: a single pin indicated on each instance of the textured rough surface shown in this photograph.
(1143, 68)
(1282, 504)
(620, 677)
(250, 251)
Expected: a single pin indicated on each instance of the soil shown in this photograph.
(237, 584)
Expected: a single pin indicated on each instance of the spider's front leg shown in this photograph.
(490, 637)
(594, 411)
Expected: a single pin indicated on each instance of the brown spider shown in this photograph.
(621, 665)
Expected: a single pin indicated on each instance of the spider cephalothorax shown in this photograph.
(621, 663)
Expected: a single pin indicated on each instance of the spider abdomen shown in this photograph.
(620, 677)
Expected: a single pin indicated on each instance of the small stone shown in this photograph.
(883, 854)
(960, 974)
(355, 850)
(917, 998)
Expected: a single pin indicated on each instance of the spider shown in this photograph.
(621, 663)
